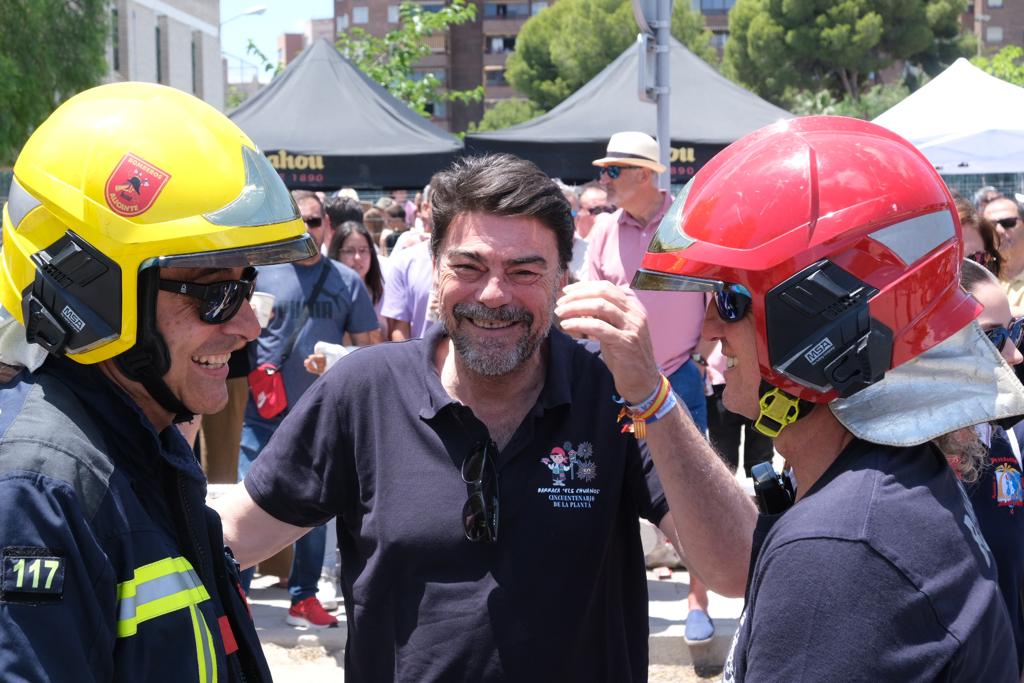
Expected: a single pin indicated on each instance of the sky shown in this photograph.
(282, 16)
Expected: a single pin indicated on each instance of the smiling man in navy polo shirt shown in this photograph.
(486, 495)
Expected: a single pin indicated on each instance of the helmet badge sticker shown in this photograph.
(133, 186)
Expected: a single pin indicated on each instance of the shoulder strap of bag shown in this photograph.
(306, 310)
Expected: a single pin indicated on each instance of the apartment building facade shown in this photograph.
(470, 55)
(173, 42)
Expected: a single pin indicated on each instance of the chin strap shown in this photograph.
(148, 361)
(778, 410)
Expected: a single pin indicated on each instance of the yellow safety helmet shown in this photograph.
(119, 181)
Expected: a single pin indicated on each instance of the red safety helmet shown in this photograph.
(846, 241)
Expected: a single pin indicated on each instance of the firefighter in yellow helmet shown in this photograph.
(135, 220)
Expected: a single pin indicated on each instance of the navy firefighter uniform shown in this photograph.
(113, 567)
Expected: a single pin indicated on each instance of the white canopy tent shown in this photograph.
(965, 121)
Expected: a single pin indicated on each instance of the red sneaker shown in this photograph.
(310, 613)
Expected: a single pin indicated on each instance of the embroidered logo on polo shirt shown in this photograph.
(567, 465)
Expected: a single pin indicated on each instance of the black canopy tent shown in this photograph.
(708, 111)
(324, 124)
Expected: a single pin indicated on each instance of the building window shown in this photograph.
(993, 34)
(341, 23)
(360, 15)
(440, 74)
(393, 14)
(995, 3)
(496, 45)
(159, 56)
(438, 110)
(495, 77)
(115, 40)
(718, 39)
(507, 10)
(536, 7)
(432, 6)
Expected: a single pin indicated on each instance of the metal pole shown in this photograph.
(661, 82)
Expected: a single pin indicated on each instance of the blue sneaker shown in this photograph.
(699, 627)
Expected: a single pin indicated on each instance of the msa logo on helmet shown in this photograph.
(819, 351)
(71, 318)
(133, 186)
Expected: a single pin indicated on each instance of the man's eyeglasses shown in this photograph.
(357, 251)
(220, 300)
(1000, 335)
(480, 512)
(733, 302)
(1008, 223)
(595, 210)
(612, 171)
(313, 221)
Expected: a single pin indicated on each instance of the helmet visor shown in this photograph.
(286, 251)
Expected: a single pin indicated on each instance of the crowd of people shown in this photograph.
(574, 359)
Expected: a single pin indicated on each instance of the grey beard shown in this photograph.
(492, 360)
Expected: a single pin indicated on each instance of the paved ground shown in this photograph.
(317, 656)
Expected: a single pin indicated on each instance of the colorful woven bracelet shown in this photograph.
(652, 409)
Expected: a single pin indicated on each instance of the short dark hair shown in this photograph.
(343, 209)
(973, 274)
(500, 185)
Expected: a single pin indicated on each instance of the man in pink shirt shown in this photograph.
(629, 173)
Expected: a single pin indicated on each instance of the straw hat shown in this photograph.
(632, 149)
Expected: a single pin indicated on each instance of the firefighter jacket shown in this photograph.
(113, 568)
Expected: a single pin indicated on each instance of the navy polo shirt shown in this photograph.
(562, 595)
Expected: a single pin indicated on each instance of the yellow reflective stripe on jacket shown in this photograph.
(156, 589)
(204, 647)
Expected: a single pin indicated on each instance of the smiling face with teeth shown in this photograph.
(198, 351)
(742, 374)
(497, 278)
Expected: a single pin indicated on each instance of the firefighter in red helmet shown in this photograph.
(830, 250)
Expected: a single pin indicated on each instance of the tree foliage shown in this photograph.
(567, 44)
(506, 113)
(389, 60)
(872, 102)
(1005, 64)
(49, 50)
(837, 45)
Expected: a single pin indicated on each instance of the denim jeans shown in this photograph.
(309, 550)
(689, 387)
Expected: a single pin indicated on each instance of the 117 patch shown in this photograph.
(31, 574)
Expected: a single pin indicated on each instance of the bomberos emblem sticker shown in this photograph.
(134, 185)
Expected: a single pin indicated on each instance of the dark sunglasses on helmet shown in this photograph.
(220, 300)
(1000, 335)
(595, 210)
(733, 302)
(612, 171)
(1008, 223)
(313, 221)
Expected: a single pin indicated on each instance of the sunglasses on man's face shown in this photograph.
(595, 210)
(220, 300)
(1000, 335)
(313, 221)
(480, 512)
(1008, 223)
(612, 171)
(733, 302)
